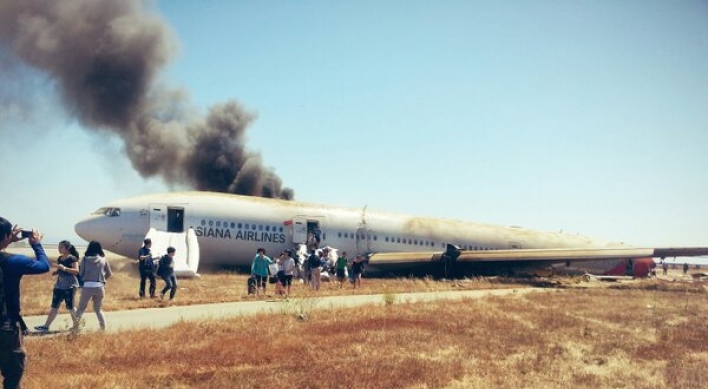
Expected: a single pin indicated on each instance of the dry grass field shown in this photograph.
(638, 337)
(641, 334)
(223, 286)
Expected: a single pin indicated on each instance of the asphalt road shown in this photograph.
(164, 317)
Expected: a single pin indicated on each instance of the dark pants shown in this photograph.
(170, 284)
(147, 274)
(12, 356)
(65, 295)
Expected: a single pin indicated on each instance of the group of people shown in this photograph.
(285, 267)
(94, 270)
(90, 275)
(149, 267)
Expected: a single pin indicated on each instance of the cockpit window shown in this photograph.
(108, 211)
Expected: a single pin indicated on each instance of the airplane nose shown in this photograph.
(86, 229)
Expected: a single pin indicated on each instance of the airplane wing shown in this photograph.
(507, 259)
(546, 255)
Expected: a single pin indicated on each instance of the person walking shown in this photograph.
(146, 265)
(357, 269)
(340, 268)
(12, 268)
(315, 265)
(287, 263)
(94, 271)
(67, 282)
(259, 269)
(167, 272)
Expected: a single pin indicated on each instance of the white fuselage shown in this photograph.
(230, 228)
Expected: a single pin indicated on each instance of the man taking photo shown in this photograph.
(13, 267)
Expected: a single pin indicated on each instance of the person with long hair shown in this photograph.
(94, 271)
(67, 282)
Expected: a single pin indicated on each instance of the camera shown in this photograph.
(26, 234)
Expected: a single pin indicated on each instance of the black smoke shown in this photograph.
(104, 57)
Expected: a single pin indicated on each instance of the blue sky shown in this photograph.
(590, 117)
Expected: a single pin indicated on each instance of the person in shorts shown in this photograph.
(287, 270)
(259, 269)
(340, 268)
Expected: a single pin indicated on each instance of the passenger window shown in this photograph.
(218, 224)
(203, 222)
(233, 225)
(267, 228)
(211, 223)
(240, 226)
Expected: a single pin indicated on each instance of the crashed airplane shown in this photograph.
(225, 229)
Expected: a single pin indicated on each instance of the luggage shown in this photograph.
(251, 285)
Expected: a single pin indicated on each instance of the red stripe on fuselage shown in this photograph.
(641, 267)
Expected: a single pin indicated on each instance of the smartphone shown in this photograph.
(26, 234)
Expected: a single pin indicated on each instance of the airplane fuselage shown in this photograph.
(230, 228)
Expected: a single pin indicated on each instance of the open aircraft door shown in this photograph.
(158, 217)
(302, 225)
(168, 218)
(299, 226)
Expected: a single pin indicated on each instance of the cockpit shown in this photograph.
(107, 211)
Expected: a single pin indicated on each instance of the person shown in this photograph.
(340, 268)
(13, 267)
(311, 243)
(146, 265)
(664, 267)
(259, 269)
(357, 269)
(314, 264)
(287, 263)
(66, 284)
(94, 270)
(318, 236)
(167, 272)
(685, 268)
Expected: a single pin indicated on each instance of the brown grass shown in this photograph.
(225, 286)
(579, 338)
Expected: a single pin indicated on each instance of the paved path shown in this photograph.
(164, 317)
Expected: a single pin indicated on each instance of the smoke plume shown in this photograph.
(104, 57)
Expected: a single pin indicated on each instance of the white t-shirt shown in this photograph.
(288, 266)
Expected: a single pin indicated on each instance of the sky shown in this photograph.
(582, 116)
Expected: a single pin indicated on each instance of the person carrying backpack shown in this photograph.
(315, 264)
(13, 267)
(146, 265)
(167, 272)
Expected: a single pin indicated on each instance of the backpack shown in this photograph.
(313, 261)
(148, 264)
(163, 265)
